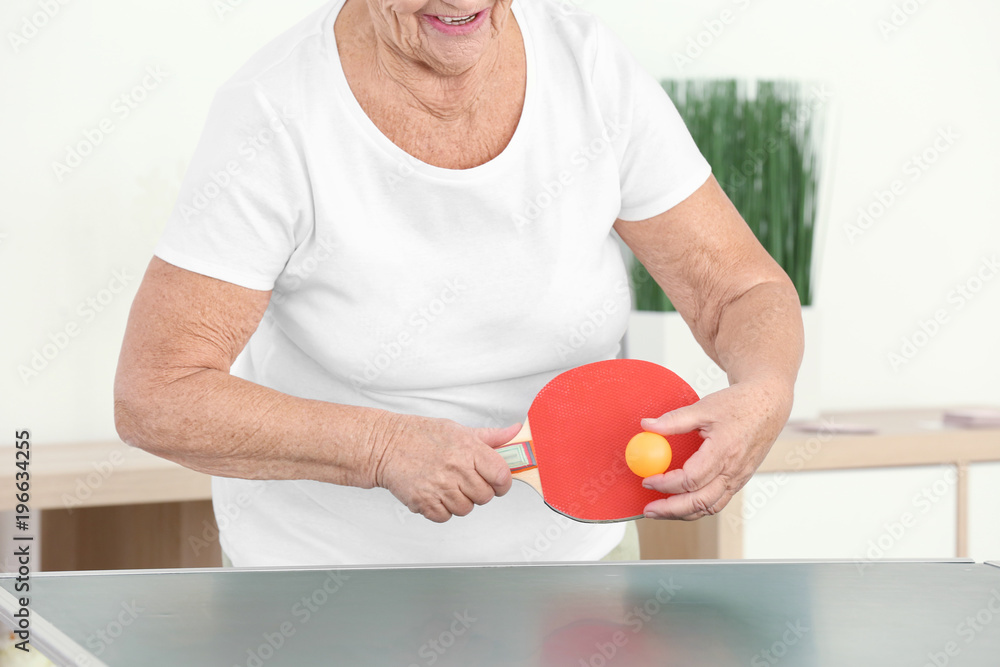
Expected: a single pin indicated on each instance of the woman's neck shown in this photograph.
(443, 95)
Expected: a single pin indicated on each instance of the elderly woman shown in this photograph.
(399, 218)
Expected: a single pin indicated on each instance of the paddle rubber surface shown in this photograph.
(581, 423)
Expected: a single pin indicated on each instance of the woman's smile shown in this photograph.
(458, 25)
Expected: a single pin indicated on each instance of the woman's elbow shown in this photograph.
(135, 412)
(125, 423)
(128, 414)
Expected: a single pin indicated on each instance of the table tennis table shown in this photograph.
(649, 613)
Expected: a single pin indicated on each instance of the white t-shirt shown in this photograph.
(422, 290)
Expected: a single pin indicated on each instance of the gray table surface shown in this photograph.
(660, 613)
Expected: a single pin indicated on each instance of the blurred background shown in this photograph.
(103, 103)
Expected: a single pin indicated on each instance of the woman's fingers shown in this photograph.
(704, 466)
(496, 437)
(437, 512)
(478, 491)
(489, 464)
(706, 501)
(458, 503)
(682, 420)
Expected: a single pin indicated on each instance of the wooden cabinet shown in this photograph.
(105, 506)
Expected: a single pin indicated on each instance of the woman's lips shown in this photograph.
(454, 25)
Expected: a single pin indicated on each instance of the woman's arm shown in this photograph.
(745, 313)
(175, 398)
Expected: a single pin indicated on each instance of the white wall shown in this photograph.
(891, 96)
(65, 241)
(62, 242)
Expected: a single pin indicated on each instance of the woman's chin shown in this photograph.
(452, 52)
(452, 60)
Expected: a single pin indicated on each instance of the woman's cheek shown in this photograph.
(402, 7)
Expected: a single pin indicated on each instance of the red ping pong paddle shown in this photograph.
(572, 446)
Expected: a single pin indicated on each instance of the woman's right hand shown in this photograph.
(439, 468)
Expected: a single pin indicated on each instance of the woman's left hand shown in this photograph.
(739, 425)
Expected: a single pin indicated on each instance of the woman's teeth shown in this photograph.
(457, 20)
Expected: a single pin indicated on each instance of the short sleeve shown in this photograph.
(660, 164)
(245, 203)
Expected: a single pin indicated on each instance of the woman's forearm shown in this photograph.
(222, 425)
(760, 335)
(175, 397)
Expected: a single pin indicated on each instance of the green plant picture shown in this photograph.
(761, 140)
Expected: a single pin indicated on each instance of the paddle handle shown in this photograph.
(519, 454)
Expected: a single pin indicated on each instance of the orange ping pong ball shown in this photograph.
(648, 454)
